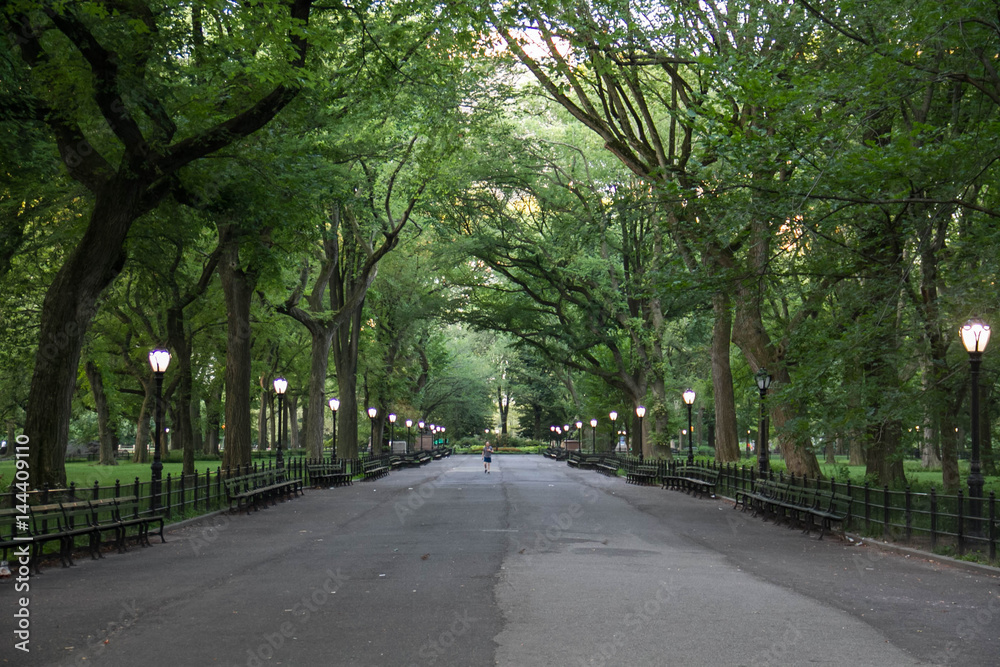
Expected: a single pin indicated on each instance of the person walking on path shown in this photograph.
(487, 456)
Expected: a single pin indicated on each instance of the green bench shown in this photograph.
(802, 505)
(692, 479)
(328, 474)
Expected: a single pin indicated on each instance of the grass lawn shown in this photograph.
(86, 473)
(919, 479)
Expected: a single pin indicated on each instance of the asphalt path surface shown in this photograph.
(535, 563)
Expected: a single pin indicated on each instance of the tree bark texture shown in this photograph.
(727, 443)
(106, 438)
(237, 287)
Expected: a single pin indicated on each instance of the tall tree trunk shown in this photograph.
(141, 452)
(197, 434)
(319, 363)
(68, 308)
(345, 358)
(237, 288)
(727, 443)
(107, 451)
(292, 408)
(213, 410)
(263, 442)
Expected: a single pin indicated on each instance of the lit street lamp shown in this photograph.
(640, 412)
(372, 414)
(593, 436)
(334, 406)
(280, 386)
(420, 434)
(689, 399)
(158, 360)
(614, 441)
(763, 464)
(579, 436)
(409, 423)
(975, 338)
(392, 430)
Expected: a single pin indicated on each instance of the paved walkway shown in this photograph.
(533, 564)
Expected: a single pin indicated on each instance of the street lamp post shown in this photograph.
(334, 406)
(975, 338)
(579, 436)
(593, 436)
(763, 463)
(640, 412)
(689, 399)
(372, 414)
(158, 360)
(613, 415)
(409, 424)
(420, 434)
(392, 430)
(280, 386)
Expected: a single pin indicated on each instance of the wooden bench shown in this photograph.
(374, 469)
(641, 474)
(122, 514)
(692, 479)
(328, 474)
(48, 524)
(802, 505)
(66, 522)
(607, 466)
(263, 487)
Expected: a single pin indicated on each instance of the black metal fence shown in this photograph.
(180, 495)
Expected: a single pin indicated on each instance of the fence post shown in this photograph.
(961, 524)
(118, 489)
(991, 533)
(909, 515)
(885, 511)
(97, 490)
(72, 490)
(868, 507)
(166, 495)
(933, 518)
(183, 494)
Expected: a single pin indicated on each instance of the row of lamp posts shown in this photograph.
(975, 337)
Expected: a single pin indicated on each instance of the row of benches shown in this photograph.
(792, 503)
(66, 522)
(555, 453)
(263, 487)
(782, 501)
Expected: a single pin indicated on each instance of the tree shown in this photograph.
(129, 119)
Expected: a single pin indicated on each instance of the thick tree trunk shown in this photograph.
(292, 422)
(105, 436)
(345, 359)
(237, 288)
(180, 367)
(197, 434)
(319, 363)
(141, 452)
(213, 410)
(68, 308)
(727, 443)
(929, 448)
(263, 442)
